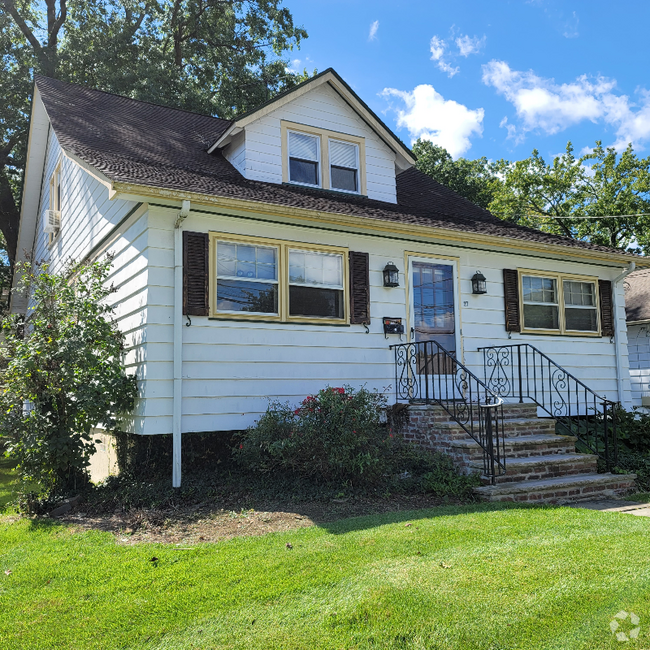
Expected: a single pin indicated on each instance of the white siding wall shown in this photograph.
(321, 108)
(232, 368)
(639, 348)
(236, 153)
(87, 217)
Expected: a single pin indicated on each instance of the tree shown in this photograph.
(568, 196)
(589, 198)
(218, 57)
(62, 374)
(473, 179)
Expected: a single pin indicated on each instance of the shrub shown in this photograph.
(62, 374)
(633, 430)
(335, 435)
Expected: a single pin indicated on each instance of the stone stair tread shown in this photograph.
(553, 483)
(513, 463)
(541, 438)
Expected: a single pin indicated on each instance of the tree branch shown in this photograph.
(22, 25)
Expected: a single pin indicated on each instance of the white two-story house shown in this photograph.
(288, 249)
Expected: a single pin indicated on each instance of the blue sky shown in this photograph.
(493, 78)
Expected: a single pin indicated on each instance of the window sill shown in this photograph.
(316, 188)
(293, 321)
(559, 333)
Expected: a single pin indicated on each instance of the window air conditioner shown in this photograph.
(51, 221)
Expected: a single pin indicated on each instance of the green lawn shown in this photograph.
(469, 577)
(7, 478)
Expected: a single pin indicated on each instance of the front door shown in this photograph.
(433, 318)
(433, 313)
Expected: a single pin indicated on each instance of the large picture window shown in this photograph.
(278, 280)
(557, 303)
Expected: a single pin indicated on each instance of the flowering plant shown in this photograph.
(333, 435)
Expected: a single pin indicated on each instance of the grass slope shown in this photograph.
(469, 577)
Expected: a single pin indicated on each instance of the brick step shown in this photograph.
(537, 468)
(520, 446)
(561, 489)
(510, 411)
(513, 428)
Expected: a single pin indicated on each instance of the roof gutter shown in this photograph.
(617, 335)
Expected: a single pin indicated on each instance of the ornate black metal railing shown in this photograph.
(523, 372)
(427, 373)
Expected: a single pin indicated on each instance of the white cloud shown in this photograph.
(571, 27)
(438, 47)
(468, 45)
(372, 34)
(543, 105)
(428, 115)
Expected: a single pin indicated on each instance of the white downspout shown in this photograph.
(617, 336)
(178, 344)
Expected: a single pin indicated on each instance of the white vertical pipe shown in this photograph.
(178, 345)
(617, 336)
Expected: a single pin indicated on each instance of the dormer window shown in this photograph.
(344, 166)
(304, 157)
(320, 158)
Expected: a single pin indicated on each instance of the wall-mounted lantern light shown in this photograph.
(479, 284)
(391, 275)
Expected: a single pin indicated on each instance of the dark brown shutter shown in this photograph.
(606, 308)
(511, 299)
(359, 288)
(195, 273)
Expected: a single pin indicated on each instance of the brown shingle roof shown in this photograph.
(637, 296)
(137, 142)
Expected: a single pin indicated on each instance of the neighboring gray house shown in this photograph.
(637, 309)
(252, 257)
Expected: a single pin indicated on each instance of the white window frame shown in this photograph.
(358, 166)
(318, 158)
(56, 195)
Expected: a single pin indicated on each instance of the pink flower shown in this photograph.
(390, 435)
(241, 446)
(296, 412)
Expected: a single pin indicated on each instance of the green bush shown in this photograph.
(335, 435)
(633, 430)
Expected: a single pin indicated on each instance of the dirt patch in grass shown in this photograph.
(210, 523)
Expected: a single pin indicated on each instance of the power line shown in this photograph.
(606, 216)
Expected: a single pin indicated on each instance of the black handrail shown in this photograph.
(427, 373)
(521, 371)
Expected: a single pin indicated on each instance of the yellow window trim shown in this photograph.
(559, 277)
(324, 135)
(283, 247)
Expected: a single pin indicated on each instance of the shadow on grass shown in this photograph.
(365, 522)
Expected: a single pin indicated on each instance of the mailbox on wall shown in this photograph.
(393, 326)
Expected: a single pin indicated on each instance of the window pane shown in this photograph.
(246, 261)
(237, 295)
(316, 268)
(303, 146)
(344, 179)
(343, 154)
(541, 317)
(308, 301)
(583, 320)
(579, 293)
(303, 171)
(538, 289)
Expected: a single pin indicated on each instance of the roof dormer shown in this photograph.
(319, 134)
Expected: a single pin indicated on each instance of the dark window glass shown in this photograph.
(303, 171)
(309, 301)
(237, 295)
(344, 179)
(541, 317)
(582, 320)
(433, 303)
